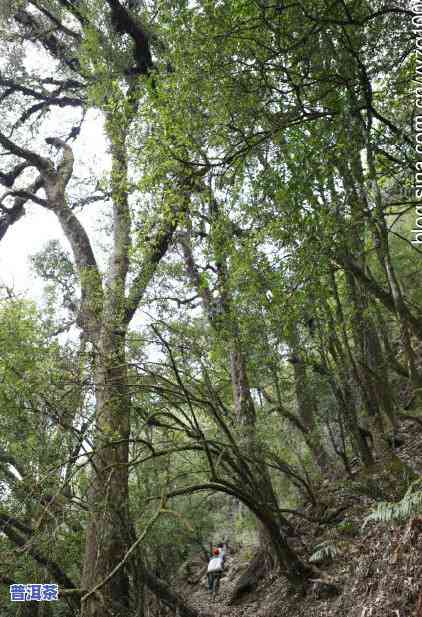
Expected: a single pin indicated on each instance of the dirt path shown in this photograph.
(201, 598)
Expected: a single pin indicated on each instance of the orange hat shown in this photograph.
(216, 551)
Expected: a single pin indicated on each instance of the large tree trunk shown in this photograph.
(296, 571)
(108, 531)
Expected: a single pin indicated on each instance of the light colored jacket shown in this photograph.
(216, 564)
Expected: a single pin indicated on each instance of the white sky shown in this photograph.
(31, 233)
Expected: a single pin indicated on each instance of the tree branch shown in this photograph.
(41, 163)
(155, 251)
(125, 23)
(415, 323)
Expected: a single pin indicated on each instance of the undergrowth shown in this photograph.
(389, 512)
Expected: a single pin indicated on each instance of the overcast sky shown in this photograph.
(31, 233)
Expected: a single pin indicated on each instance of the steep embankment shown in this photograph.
(374, 570)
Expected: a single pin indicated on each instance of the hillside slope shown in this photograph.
(369, 569)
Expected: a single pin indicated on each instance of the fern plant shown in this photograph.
(325, 550)
(409, 505)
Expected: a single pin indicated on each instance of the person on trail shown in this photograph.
(216, 567)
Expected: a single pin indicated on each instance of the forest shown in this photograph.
(227, 347)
